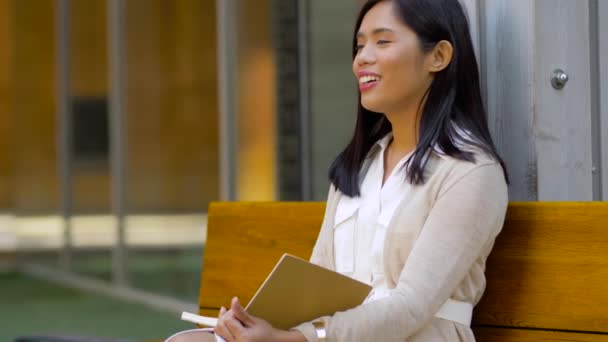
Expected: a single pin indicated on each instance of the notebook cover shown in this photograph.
(298, 291)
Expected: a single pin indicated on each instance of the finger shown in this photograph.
(236, 328)
(222, 330)
(222, 311)
(241, 314)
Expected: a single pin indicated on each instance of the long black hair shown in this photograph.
(453, 112)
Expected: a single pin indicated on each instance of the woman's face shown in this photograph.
(389, 64)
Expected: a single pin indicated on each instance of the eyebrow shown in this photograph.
(375, 31)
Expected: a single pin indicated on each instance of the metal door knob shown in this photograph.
(559, 79)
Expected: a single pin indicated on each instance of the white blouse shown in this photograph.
(360, 222)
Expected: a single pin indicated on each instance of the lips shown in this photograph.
(368, 85)
(368, 80)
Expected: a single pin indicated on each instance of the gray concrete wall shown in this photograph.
(333, 86)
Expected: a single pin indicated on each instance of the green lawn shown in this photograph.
(31, 306)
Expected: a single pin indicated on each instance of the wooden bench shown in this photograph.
(547, 275)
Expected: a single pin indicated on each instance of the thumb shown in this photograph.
(240, 313)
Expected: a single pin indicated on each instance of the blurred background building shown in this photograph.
(121, 120)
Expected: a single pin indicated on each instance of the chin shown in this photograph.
(372, 105)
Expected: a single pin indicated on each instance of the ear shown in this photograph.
(441, 56)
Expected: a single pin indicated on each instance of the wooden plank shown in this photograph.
(244, 242)
(483, 334)
(7, 105)
(549, 268)
(507, 67)
(34, 121)
(209, 312)
(562, 119)
(171, 74)
(255, 132)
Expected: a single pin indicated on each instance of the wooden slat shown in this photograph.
(7, 104)
(244, 242)
(549, 268)
(483, 334)
(209, 312)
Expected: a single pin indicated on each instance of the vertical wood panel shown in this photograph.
(190, 119)
(89, 47)
(256, 92)
(146, 80)
(36, 186)
(6, 103)
(89, 56)
(562, 120)
(172, 105)
(603, 91)
(508, 70)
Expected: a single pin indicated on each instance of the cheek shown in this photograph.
(405, 70)
(400, 71)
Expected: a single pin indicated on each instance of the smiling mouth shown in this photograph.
(368, 82)
(368, 79)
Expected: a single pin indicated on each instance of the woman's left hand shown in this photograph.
(236, 325)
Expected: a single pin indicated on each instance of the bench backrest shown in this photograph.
(547, 275)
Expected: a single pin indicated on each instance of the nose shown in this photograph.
(365, 56)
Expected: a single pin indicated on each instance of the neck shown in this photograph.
(405, 123)
(405, 133)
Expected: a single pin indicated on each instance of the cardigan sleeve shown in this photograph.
(465, 219)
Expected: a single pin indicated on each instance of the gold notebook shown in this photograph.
(298, 291)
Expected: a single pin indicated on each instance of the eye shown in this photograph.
(383, 42)
(358, 47)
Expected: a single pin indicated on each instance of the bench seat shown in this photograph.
(547, 275)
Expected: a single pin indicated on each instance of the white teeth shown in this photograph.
(368, 78)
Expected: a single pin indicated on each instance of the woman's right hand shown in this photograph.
(221, 328)
(236, 325)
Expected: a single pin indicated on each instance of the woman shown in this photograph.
(418, 195)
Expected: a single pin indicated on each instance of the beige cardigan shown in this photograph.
(436, 246)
